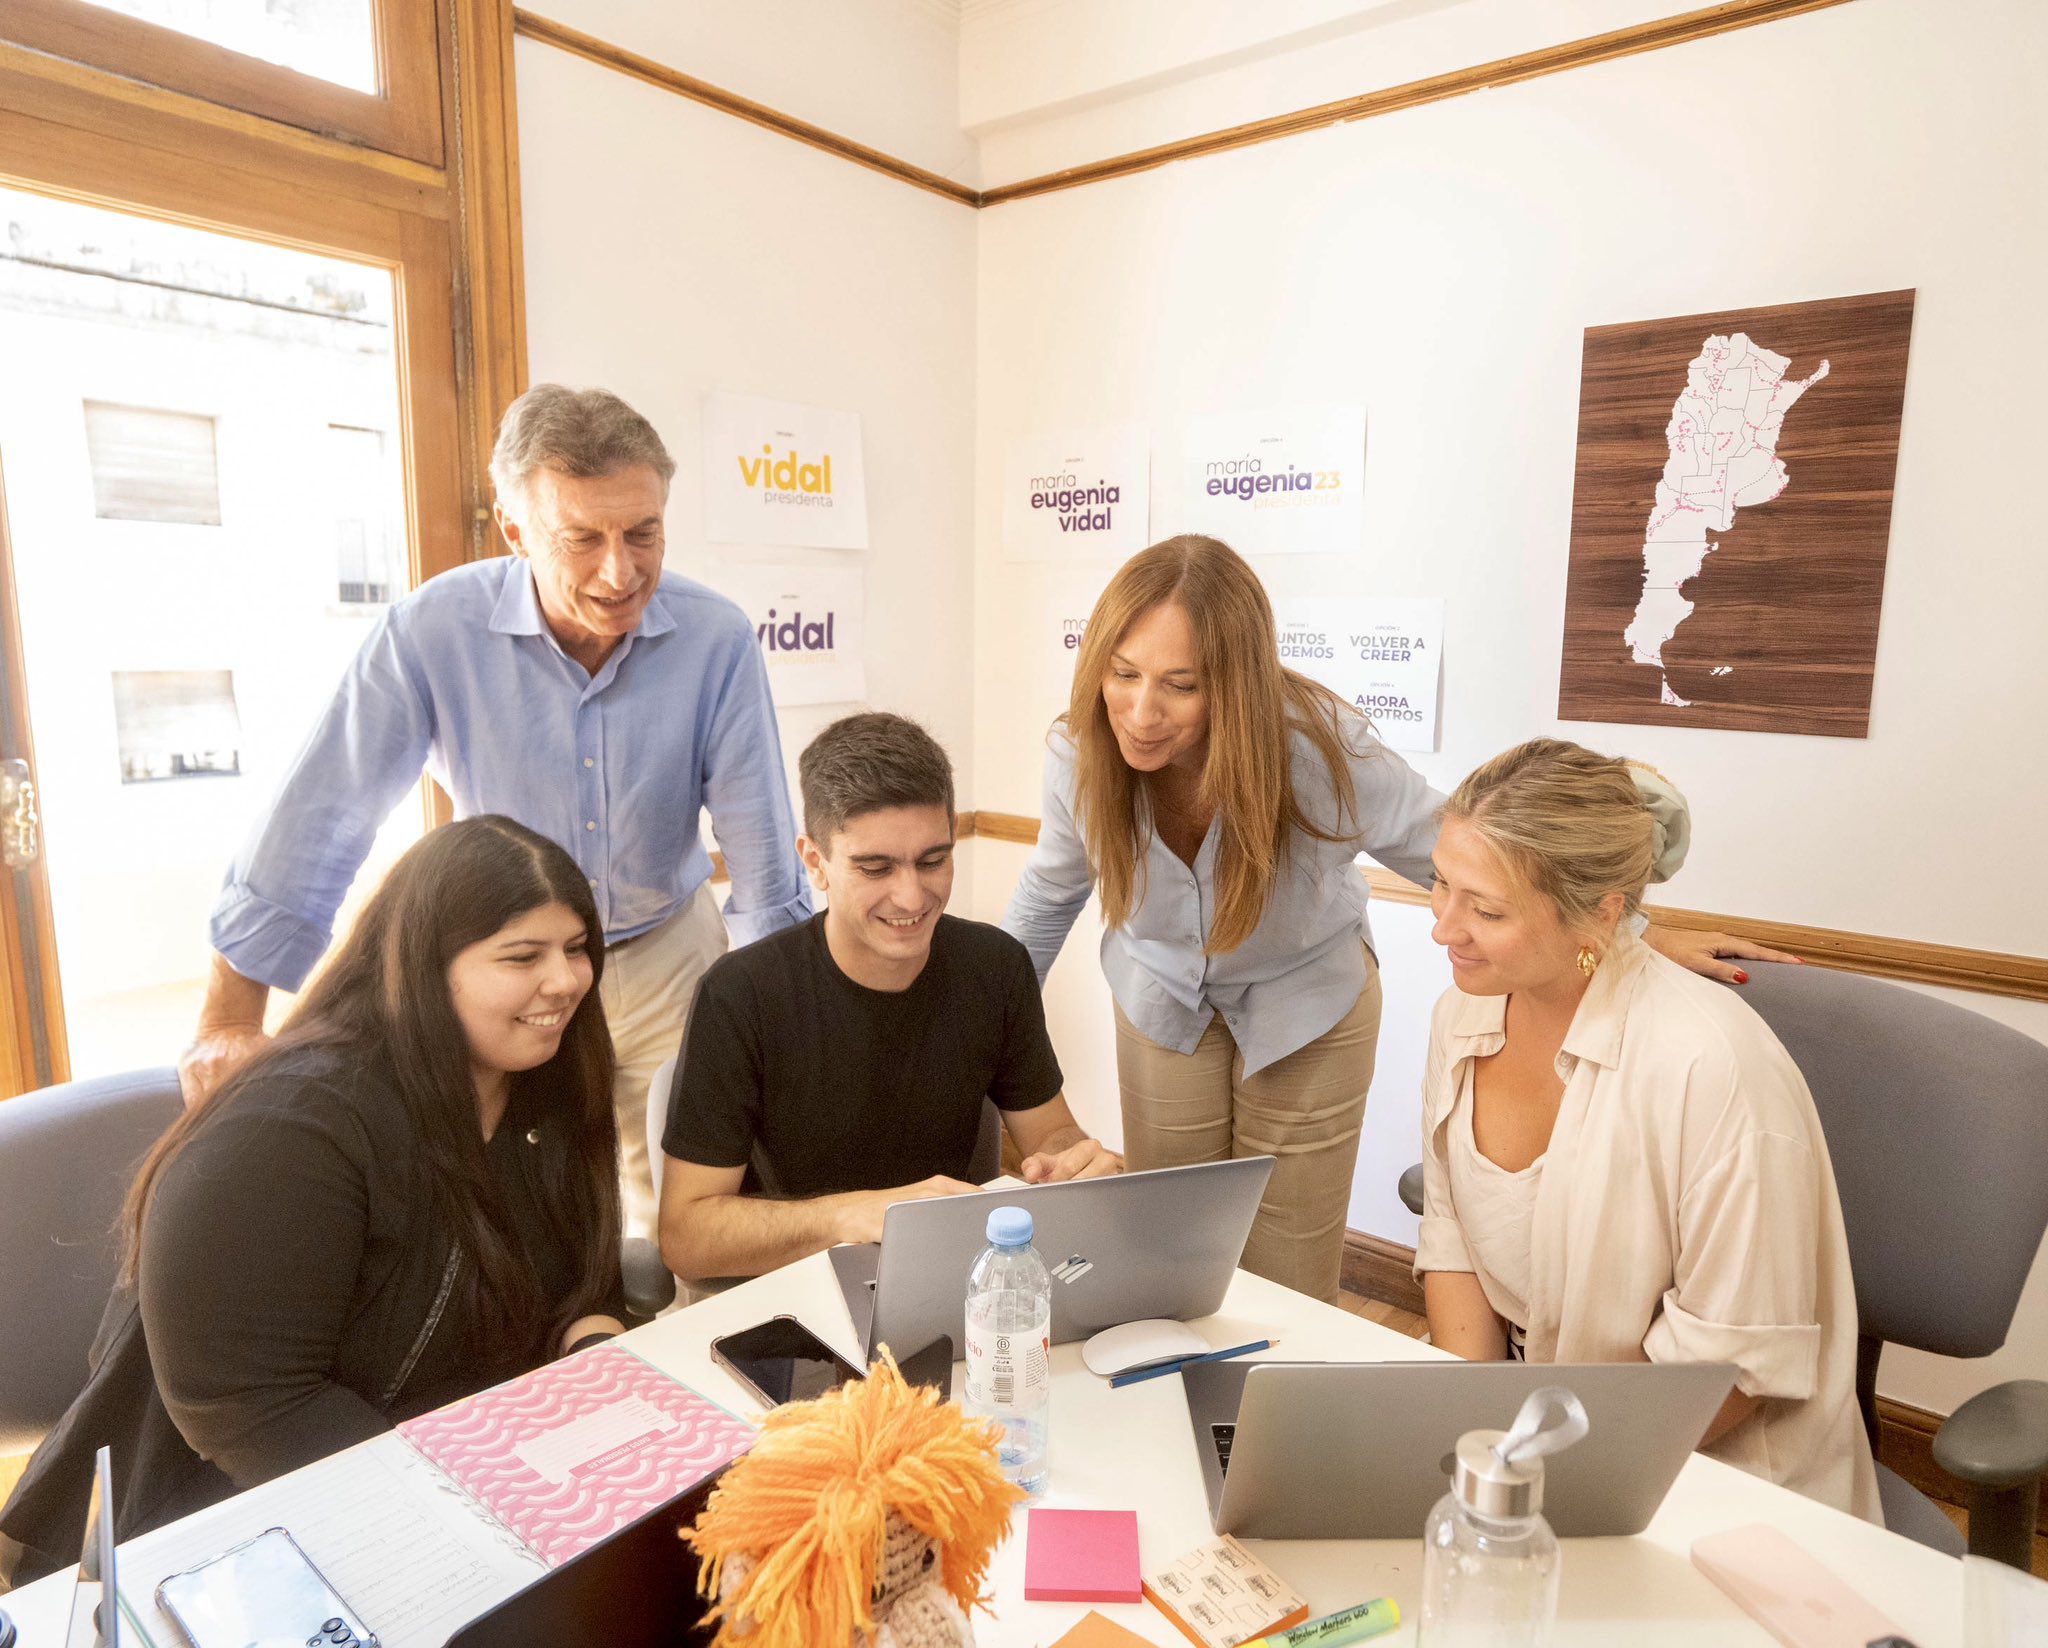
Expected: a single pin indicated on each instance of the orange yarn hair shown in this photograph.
(810, 1503)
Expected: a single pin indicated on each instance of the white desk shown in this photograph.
(1132, 1449)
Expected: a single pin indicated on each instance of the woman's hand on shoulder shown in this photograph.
(1711, 955)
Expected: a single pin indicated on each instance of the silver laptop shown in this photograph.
(1163, 1243)
(1362, 1450)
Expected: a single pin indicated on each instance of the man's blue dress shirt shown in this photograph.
(464, 679)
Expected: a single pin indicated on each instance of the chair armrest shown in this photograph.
(1411, 1189)
(649, 1288)
(1999, 1438)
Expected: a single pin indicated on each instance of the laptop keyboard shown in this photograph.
(1224, 1435)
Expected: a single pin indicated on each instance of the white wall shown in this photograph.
(882, 72)
(1440, 266)
(672, 250)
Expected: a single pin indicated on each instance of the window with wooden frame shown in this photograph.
(367, 71)
(115, 111)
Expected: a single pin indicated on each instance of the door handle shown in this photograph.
(21, 839)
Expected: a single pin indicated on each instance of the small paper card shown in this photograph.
(1219, 1595)
(1082, 1556)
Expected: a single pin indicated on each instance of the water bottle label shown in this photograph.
(1006, 1370)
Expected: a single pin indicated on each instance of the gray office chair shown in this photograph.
(1937, 1122)
(67, 1154)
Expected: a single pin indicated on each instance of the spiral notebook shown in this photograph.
(428, 1527)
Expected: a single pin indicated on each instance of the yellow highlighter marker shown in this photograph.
(1368, 1619)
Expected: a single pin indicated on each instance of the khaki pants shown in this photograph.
(650, 983)
(1304, 1111)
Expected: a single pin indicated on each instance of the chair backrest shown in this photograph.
(1937, 1122)
(67, 1154)
(657, 1118)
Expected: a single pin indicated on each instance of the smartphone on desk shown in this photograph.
(780, 1360)
(265, 1593)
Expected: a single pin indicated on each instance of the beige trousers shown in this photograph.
(1304, 1111)
(650, 984)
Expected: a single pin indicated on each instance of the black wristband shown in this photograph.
(588, 1340)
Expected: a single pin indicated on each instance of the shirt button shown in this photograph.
(588, 762)
(590, 823)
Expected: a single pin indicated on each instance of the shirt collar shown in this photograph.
(517, 611)
(1595, 1032)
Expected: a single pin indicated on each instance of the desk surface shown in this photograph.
(1132, 1449)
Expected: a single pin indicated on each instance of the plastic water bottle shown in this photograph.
(1489, 1559)
(1009, 1345)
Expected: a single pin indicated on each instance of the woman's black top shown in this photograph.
(293, 1297)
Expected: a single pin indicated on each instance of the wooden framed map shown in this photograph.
(1730, 516)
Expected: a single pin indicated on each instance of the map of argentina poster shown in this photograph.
(1730, 516)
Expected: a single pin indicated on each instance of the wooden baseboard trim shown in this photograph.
(1375, 1268)
(1989, 972)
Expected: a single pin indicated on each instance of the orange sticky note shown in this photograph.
(1096, 1632)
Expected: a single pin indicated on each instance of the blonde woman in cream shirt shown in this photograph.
(1621, 1162)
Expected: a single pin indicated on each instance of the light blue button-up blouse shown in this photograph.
(1302, 968)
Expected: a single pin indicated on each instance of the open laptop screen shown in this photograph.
(95, 1602)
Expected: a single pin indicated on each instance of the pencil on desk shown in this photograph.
(1137, 1374)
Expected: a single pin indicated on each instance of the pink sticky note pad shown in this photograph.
(1082, 1556)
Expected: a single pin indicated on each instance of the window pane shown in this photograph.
(176, 724)
(329, 39)
(218, 646)
(152, 466)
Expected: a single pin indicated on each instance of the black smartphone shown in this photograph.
(781, 1360)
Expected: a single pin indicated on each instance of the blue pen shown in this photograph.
(1164, 1368)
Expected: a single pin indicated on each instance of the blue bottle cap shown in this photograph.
(1009, 1226)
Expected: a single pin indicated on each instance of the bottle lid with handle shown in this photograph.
(1499, 1474)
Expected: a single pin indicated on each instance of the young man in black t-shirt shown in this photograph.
(837, 1067)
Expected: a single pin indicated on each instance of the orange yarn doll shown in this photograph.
(864, 1519)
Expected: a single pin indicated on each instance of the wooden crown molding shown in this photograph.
(1502, 71)
(1990, 972)
(1413, 94)
(602, 52)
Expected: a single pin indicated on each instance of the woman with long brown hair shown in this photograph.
(411, 1194)
(1216, 800)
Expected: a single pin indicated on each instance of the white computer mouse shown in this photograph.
(1131, 1345)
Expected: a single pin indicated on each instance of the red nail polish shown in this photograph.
(1741, 977)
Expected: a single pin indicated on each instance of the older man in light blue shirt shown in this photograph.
(573, 686)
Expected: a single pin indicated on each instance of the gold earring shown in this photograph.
(1589, 958)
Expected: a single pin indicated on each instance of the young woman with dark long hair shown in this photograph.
(411, 1194)
(1216, 800)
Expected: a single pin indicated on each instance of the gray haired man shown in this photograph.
(575, 687)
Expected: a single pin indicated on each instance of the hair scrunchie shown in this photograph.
(1670, 817)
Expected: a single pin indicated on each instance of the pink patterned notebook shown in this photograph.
(574, 1451)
